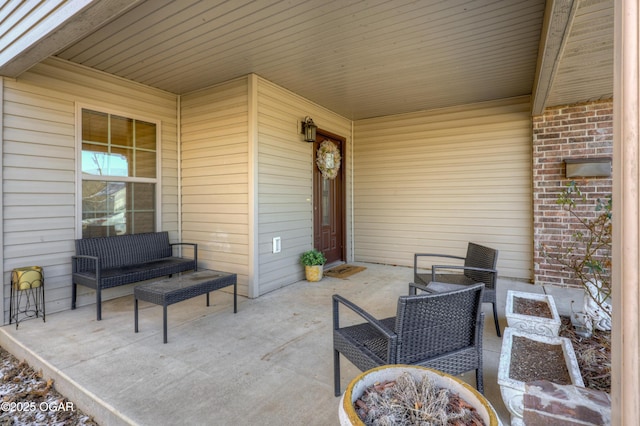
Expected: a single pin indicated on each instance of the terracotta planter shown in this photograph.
(313, 273)
(347, 412)
(512, 390)
(530, 323)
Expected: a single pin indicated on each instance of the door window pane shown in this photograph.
(326, 202)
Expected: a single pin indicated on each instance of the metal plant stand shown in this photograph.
(27, 294)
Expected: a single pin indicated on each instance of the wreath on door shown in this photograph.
(328, 159)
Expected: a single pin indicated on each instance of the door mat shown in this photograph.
(343, 271)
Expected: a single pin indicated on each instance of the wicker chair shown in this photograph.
(437, 330)
(479, 267)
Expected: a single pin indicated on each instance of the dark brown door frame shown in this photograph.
(320, 136)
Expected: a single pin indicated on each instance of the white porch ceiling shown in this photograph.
(358, 58)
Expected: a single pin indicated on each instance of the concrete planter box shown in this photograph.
(512, 391)
(530, 323)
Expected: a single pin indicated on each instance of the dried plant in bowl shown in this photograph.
(408, 400)
(411, 395)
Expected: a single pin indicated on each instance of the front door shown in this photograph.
(328, 196)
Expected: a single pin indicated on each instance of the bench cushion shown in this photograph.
(114, 277)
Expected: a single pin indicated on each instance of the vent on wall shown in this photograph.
(588, 167)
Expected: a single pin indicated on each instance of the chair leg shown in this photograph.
(336, 372)
(495, 319)
(479, 381)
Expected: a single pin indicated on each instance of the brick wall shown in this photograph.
(571, 131)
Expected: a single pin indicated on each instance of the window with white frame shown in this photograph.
(119, 174)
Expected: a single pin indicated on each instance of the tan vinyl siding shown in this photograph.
(285, 181)
(215, 171)
(39, 167)
(432, 181)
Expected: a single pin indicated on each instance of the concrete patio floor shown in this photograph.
(269, 364)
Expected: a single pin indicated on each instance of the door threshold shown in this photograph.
(334, 264)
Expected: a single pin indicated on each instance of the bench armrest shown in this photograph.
(77, 258)
(188, 244)
(195, 249)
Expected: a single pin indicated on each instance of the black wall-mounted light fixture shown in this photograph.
(309, 129)
(588, 167)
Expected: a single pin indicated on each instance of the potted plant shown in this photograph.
(313, 261)
(420, 394)
(587, 256)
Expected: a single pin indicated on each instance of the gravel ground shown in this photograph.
(26, 398)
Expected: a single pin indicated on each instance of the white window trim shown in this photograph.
(78, 160)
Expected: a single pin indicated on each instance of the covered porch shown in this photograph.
(98, 56)
(271, 363)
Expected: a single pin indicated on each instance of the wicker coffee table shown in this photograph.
(181, 287)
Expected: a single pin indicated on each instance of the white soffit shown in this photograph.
(32, 31)
(360, 59)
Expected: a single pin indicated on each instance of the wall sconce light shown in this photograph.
(309, 129)
(588, 167)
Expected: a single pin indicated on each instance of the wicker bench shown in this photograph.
(108, 262)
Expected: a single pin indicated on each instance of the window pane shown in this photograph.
(95, 126)
(121, 131)
(143, 222)
(94, 200)
(145, 135)
(103, 208)
(121, 162)
(143, 195)
(141, 218)
(95, 160)
(145, 164)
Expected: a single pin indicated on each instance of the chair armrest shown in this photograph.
(75, 259)
(337, 299)
(417, 255)
(465, 268)
(413, 287)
